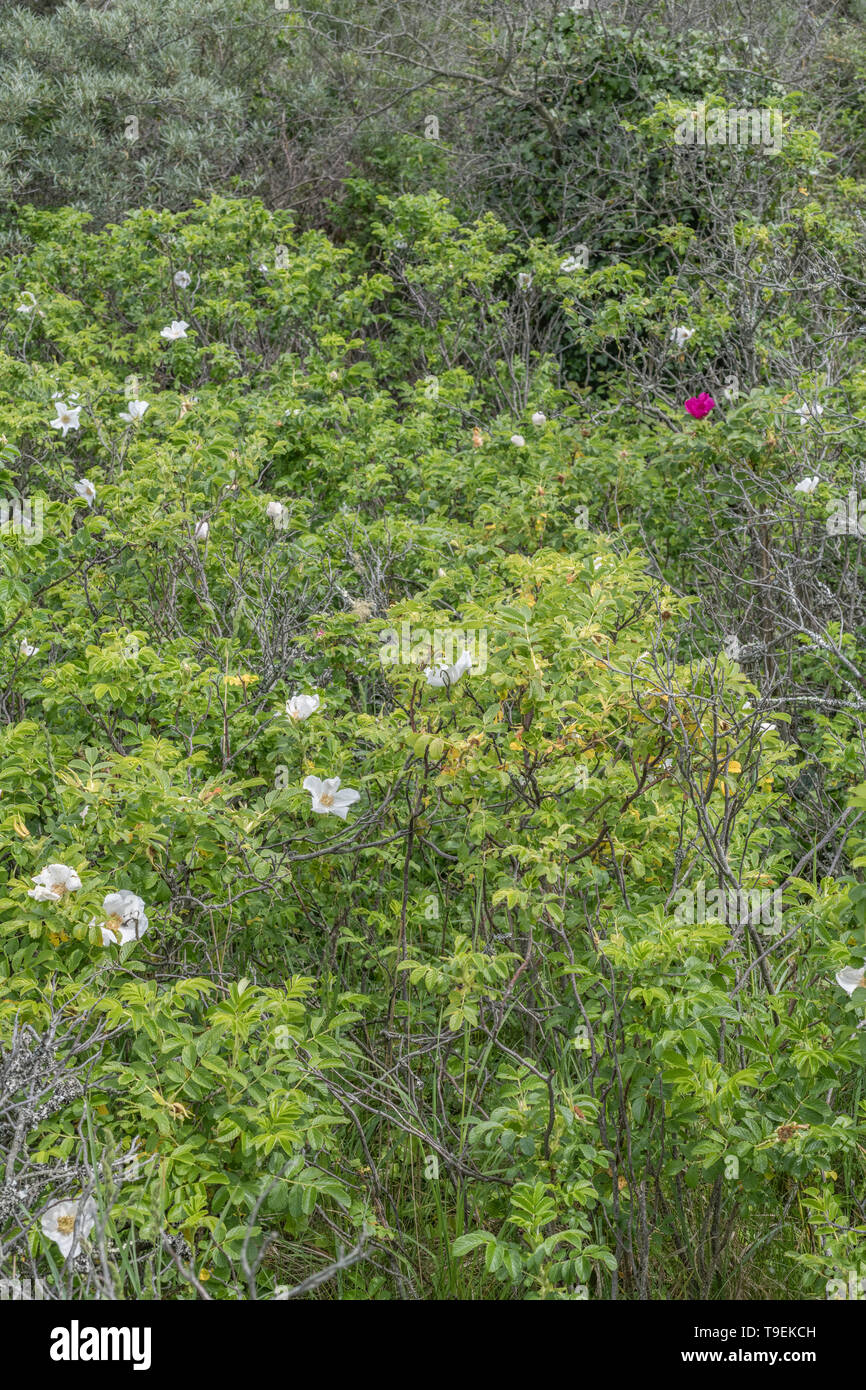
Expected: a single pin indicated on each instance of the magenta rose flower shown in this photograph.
(701, 405)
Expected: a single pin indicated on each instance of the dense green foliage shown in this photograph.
(464, 1032)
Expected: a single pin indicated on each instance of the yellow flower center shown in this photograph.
(66, 1225)
(326, 799)
(113, 925)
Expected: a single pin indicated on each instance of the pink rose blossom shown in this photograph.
(701, 405)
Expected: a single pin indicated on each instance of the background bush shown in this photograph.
(461, 1044)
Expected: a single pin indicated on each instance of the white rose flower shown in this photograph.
(68, 1223)
(67, 417)
(26, 649)
(681, 335)
(176, 329)
(328, 799)
(278, 514)
(518, 441)
(54, 882)
(810, 411)
(202, 531)
(438, 676)
(182, 279)
(300, 707)
(84, 487)
(808, 484)
(852, 977)
(524, 280)
(135, 412)
(539, 419)
(126, 919)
